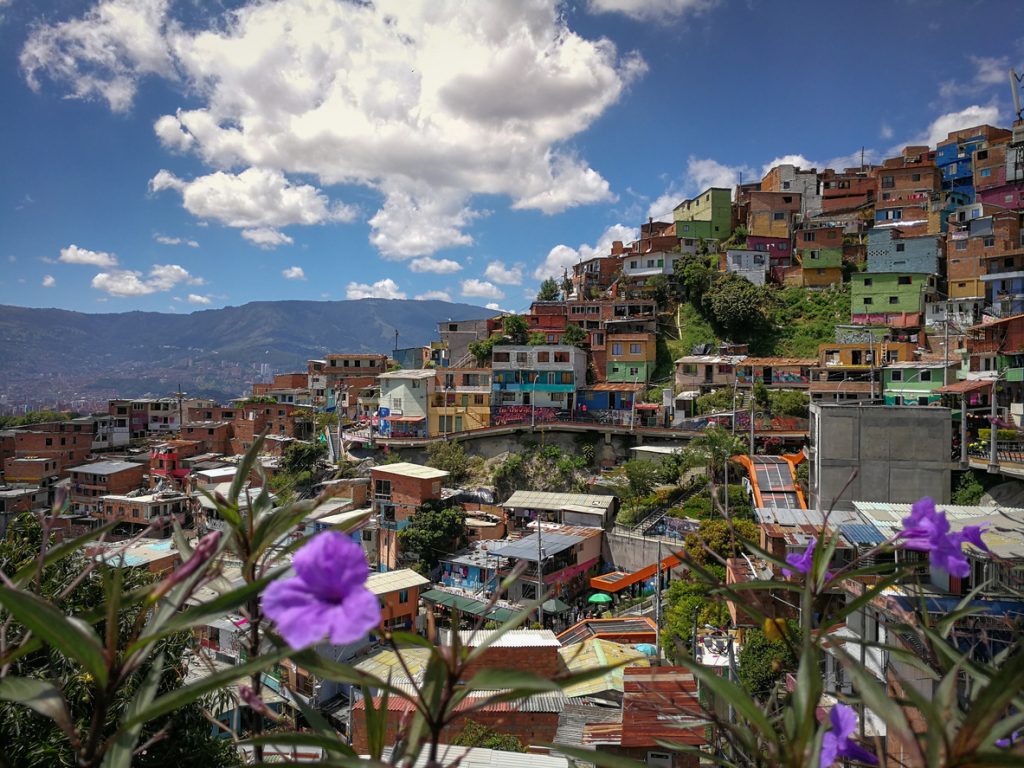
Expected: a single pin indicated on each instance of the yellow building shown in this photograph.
(461, 400)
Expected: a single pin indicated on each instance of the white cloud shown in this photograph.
(481, 289)
(105, 53)
(75, 255)
(195, 298)
(434, 296)
(651, 9)
(49, 281)
(991, 70)
(886, 132)
(495, 306)
(563, 257)
(370, 95)
(945, 124)
(497, 272)
(293, 273)
(127, 282)
(266, 238)
(257, 199)
(798, 160)
(382, 289)
(165, 240)
(438, 266)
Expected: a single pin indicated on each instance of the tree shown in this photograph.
(575, 336)
(451, 457)
(712, 448)
(301, 466)
(686, 601)
(641, 476)
(481, 350)
(790, 403)
(969, 490)
(432, 533)
(549, 290)
(36, 742)
(763, 662)
(724, 539)
(736, 305)
(516, 329)
(476, 735)
(536, 339)
(693, 274)
(659, 287)
(761, 397)
(715, 402)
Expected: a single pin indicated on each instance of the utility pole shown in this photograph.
(540, 576)
(735, 381)
(964, 464)
(657, 604)
(993, 458)
(751, 425)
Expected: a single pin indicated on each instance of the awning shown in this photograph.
(965, 387)
(554, 605)
(404, 419)
(647, 406)
(467, 605)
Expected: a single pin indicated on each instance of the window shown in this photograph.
(650, 263)
(661, 262)
(634, 349)
(543, 357)
(886, 195)
(926, 376)
(396, 403)
(809, 237)
(900, 247)
(634, 371)
(903, 280)
(367, 535)
(815, 254)
(868, 300)
(551, 338)
(522, 357)
(561, 357)
(986, 172)
(888, 182)
(478, 399)
(501, 357)
(779, 216)
(617, 348)
(868, 282)
(632, 264)
(403, 596)
(897, 375)
(915, 177)
(990, 242)
(785, 185)
(894, 299)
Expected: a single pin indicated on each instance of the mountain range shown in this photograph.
(61, 355)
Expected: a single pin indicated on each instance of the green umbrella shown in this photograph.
(599, 597)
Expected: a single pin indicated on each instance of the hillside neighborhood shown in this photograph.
(660, 411)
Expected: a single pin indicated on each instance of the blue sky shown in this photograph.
(175, 156)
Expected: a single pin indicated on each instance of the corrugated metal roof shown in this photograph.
(408, 469)
(638, 625)
(528, 548)
(862, 534)
(593, 653)
(516, 638)
(392, 581)
(105, 467)
(556, 501)
(549, 701)
(478, 757)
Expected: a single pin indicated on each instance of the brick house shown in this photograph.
(167, 462)
(399, 595)
(103, 478)
(143, 510)
(36, 470)
(398, 491)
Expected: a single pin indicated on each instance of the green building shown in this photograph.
(877, 296)
(915, 383)
(707, 216)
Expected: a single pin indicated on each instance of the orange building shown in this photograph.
(399, 595)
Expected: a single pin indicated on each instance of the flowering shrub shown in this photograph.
(963, 708)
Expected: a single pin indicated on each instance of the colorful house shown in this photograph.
(631, 356)
(707, 216)
(915, 382)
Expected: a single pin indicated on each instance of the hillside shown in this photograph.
(46, 352)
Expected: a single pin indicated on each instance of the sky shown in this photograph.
(181, 155)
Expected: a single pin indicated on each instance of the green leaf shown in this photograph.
(59, 552)
(733, 694)
(74, 638)
(120, 752)
(39, 696)
(187, 694)
(245, 468)
(331, 743)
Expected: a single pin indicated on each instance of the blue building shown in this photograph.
(890, 251)
(954, 157)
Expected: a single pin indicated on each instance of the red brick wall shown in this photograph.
(20, 470)
(543, 661)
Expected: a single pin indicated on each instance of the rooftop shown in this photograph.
(105, 467)
(516, 638)
(528, 548)
(393, 581)
(408, 469)
(555, 502)
(410, 373)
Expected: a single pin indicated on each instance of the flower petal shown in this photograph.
(972, 535)
(844, 721)
(353, 619)
(295, 610)
(829, 749)
(331, 564)
(853, 751)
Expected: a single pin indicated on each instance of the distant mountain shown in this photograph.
(49, 352)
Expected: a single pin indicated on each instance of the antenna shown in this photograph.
(1015, 80)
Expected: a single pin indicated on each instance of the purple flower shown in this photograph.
(836, 743)
(801, 563)
(1010, 740)
(927, 530)
(327, 596)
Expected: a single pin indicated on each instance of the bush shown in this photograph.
(763, 662)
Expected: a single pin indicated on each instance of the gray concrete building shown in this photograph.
(900, 454)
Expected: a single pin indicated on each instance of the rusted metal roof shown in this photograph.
(660, 704)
